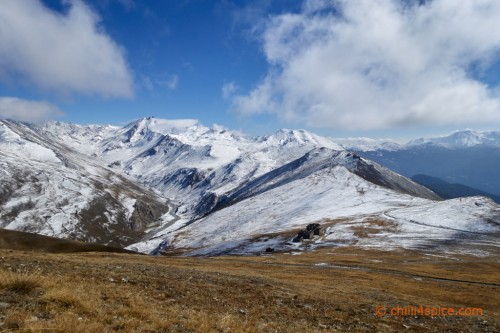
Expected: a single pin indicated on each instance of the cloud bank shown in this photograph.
(28, 111)
(376, 64)
(64, 53)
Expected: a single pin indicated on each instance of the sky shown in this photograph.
(375, 68)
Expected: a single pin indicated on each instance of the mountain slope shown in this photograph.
(343, 204)
(50, 189)
(323, 158)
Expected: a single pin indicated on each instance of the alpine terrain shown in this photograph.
(176, 186)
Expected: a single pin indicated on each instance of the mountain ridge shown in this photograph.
(458, 139)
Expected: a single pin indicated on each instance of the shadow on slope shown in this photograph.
(23, 241)
(450, 191)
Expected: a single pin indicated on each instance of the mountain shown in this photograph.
(458, 139)
(467, 157)
(449, 191)
(50, 189)
(158, 185)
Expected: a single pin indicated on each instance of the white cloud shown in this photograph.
(375, 64)
(66, 53)
(28, 111)
(228, 89)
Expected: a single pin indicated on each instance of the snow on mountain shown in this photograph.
(323, 158)
(211, 190)
(465, 225)
(330, 193)
(83, 139)
(458, 139)
(339, 200)
(50, 189)
(195, 165)
(183, 160)
(461, 139)
(288, 138)
(12, 144)
(367, 144)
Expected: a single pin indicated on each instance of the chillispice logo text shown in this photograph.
(426, 311)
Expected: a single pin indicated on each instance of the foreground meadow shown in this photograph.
(327, 290)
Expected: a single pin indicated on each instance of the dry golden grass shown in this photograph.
(20, 283)
(279, 293)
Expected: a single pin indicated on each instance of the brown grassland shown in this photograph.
(327, 290)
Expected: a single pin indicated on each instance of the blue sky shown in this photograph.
(381, 68)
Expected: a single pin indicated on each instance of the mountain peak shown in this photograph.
(164, 126)
(289, 137)
(149, 125)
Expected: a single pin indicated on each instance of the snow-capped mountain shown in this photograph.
(194, 164)
(176, 184)
(461, 139)
(367, 144)
(465, 157)
(50, 189)
(457, 140)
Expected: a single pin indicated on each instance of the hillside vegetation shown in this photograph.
(335, 290)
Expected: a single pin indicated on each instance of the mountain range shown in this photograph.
(466, 157)
(158, 186)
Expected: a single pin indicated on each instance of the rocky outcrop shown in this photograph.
(313, 229)
(145, 213)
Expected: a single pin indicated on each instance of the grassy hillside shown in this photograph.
(330, 290)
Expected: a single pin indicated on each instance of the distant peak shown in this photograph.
(461, 139)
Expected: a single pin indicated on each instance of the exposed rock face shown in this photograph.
(99, 225)
(145, 213)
